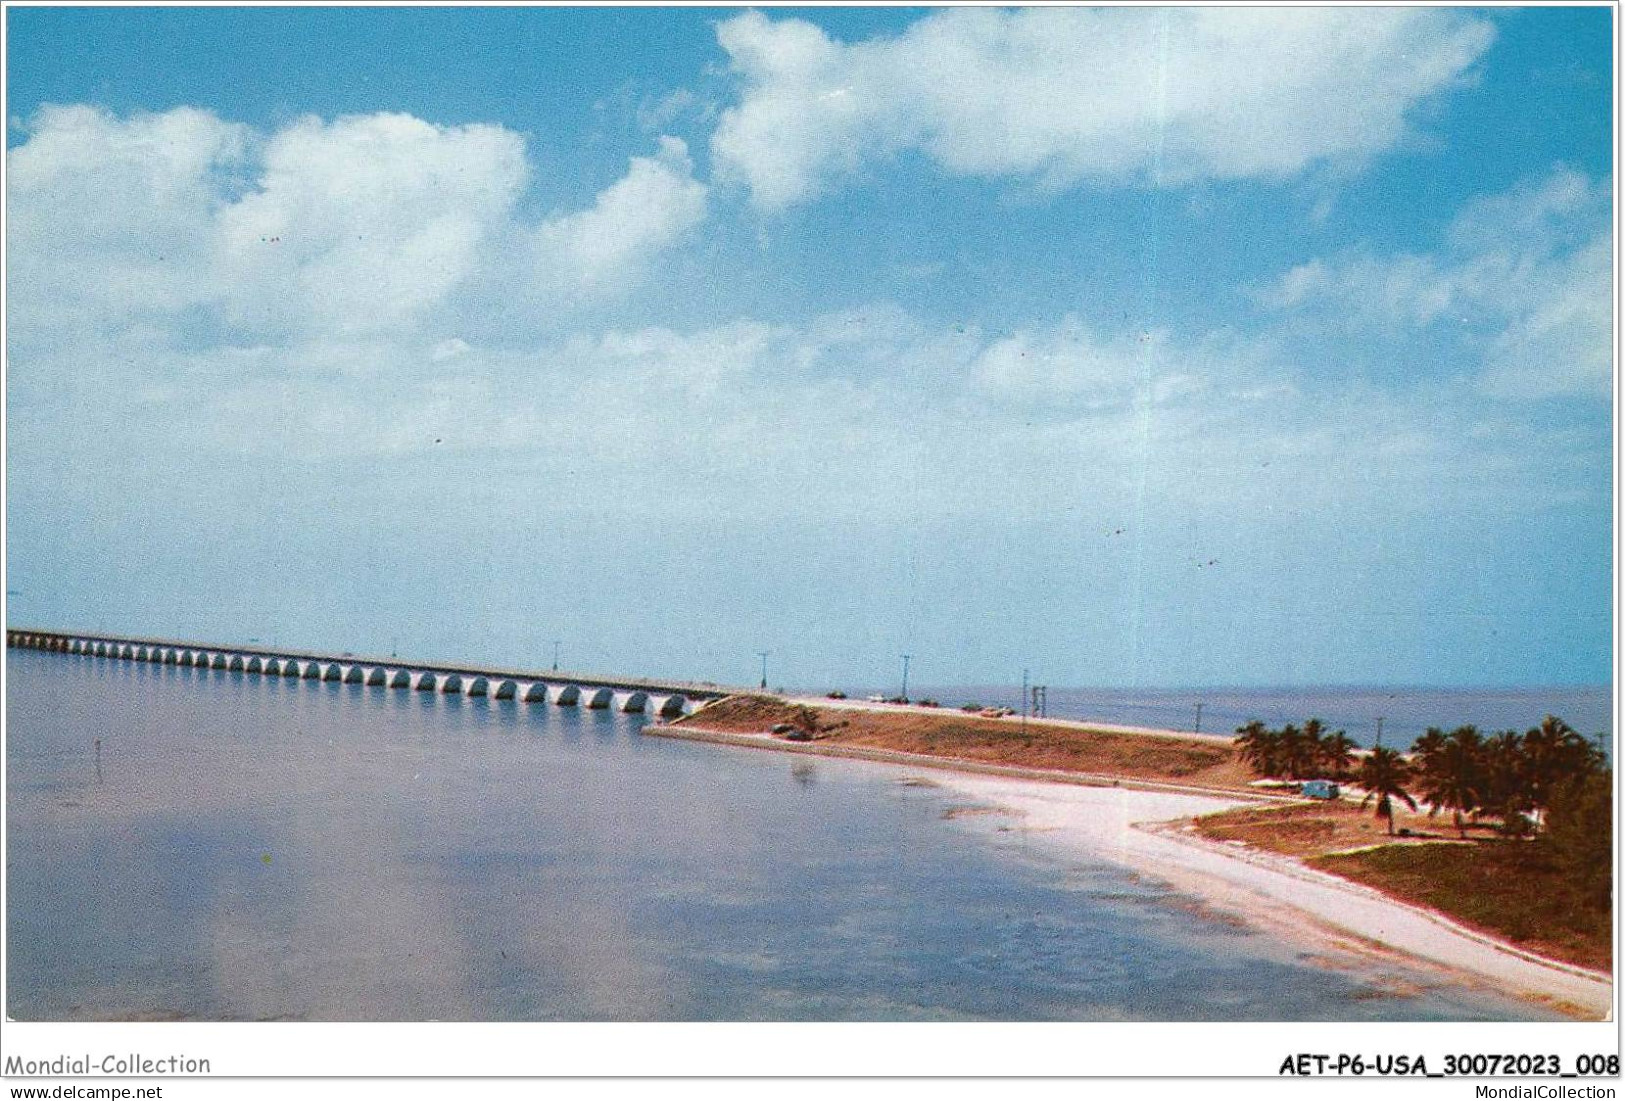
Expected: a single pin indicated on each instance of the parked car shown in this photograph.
(1320, 789)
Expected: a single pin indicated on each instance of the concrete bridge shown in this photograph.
(667, 699)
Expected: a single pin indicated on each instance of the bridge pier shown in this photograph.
(667, 700)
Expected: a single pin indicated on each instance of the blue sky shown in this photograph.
(1131, 346)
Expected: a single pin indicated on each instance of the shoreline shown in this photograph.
(1143, 825)
(956, 764)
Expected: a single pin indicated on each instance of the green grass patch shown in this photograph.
(1511, 889)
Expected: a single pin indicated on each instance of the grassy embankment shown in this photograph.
(1513, 890)
(957, 736)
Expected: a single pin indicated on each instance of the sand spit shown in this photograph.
(1145, 831)
(1143, 825)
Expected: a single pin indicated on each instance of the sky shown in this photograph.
(1127, 346)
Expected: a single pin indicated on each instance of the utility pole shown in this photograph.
(556, 655)
(1379, 729)
(1198, 717)
(905, 677)
(763, 655)
(1024, 701)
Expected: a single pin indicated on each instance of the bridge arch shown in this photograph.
(479, 686)
(451, 684)
(427, 682)
(599, 698)
(401, 678)
(505, 690)
(334, 671)
(535, 693)
(635, 702)
(313, 670)
(672, 707)
(567, 695)
(290, 668)
(355, 674)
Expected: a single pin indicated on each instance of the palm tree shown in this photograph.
(1504, 793)
(1260, 748)
(1337, 755)
(1384, 775)
(1294, 752)
(1313, 749)
(1553, 754)
(1451, 772)
(1428, 743)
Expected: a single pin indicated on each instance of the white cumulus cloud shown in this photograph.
(320, 230)
(1528, 273)
(641, 214)
(109, 219)
(364, 222)
(1061, 95)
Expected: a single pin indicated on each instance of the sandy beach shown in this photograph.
(1140, 829)
(1143, 825)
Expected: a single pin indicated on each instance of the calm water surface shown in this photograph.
(254, 847)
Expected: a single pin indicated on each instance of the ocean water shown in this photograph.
(190, 843)
(1406, 712)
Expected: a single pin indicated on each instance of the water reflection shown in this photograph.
(267, 847)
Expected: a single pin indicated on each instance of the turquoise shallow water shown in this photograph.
(246, 847)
